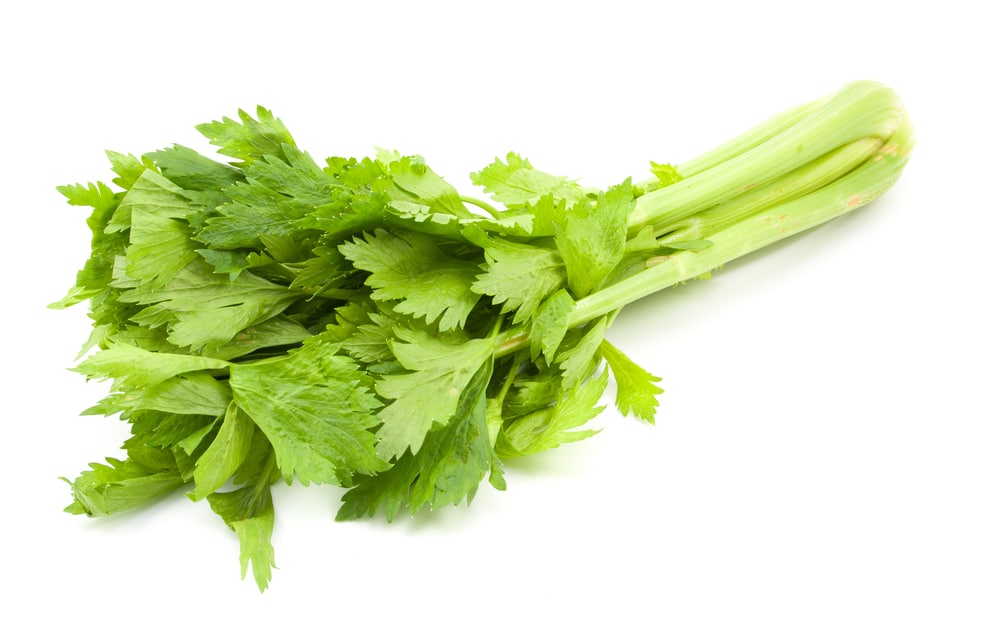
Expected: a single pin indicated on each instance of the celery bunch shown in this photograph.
(361, 323)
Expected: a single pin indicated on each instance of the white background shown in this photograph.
(825, 462)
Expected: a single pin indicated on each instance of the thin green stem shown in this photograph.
(509, 380)
(510, 341)
(486, 206)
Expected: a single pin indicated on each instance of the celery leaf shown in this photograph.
(517, 183)
(637, 389)
(426, 395)
(413, 269)
(316, 408)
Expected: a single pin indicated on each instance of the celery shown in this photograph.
(354, 323)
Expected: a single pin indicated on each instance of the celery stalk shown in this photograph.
(796, 171)
(859, 110)
(857, 188)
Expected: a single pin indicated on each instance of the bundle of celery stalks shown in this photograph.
(362, 323)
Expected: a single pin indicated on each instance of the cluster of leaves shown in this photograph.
(342, 323)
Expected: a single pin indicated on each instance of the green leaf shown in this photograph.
(643, 242)
(666, 174)
(556, 425)
(412, 268)
(324, 270)
(160, 245)
(192, 446)
(277, 331)
(316, 408)
(133, 367)
(578, 360)
(591, 241)
(521, 225)
(160, 248)
(249, 512)
(517, 183)
(196, 393)
(163, 430)
(231, 263)
(447, 468)
(259, 467)
(93, 279)
(278, 193)
(370, 341)
(189, 169)
(225, 454)
(128, 168)
(423, 186)
(157, 196)
(637, 389)
(550, 324)
(120, 485)
(534, 388)
(249, 139)
(547, 214)
(427, 394)
(96, 195)
(519, 276)
(206, 310)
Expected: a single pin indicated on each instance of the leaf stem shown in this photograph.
(484, 205)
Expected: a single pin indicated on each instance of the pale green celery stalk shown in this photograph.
(741, 143)
(857, 188)
(826, 187)
(813, 175)
(748, 140)
(859, 110)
